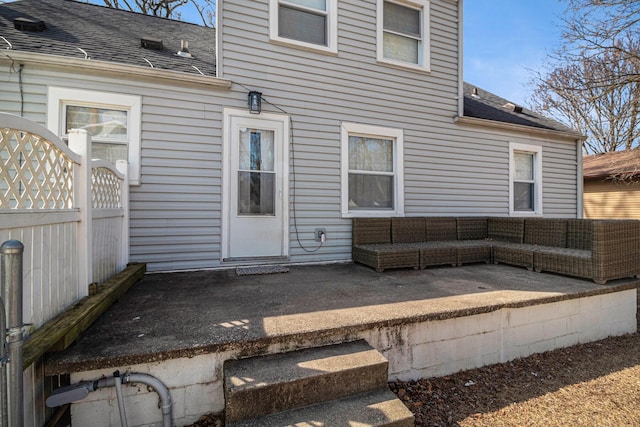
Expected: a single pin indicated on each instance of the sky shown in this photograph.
(505, 41)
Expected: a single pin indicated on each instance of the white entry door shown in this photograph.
(256, 182)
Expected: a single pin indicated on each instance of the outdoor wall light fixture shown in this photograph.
(255, 102)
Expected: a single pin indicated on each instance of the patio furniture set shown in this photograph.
(600, 250)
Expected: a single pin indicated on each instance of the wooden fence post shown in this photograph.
(80, 142)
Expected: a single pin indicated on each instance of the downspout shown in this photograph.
(460, 58)
(11, 253)
(579, 181)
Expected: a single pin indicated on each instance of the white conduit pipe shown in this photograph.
(79, 391)
(121, 408)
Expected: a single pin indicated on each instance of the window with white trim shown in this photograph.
(372, 170)
(310, 24)
(525, 184)
(112, 120)
(403, 33)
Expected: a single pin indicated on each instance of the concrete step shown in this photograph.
(376, 408)
(268, 384)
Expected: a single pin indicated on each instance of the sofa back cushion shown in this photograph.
(546, 232)
(579, 232)
(440, 229)
(371, 230)
(471, 228)
(407, 230)
(506, 229)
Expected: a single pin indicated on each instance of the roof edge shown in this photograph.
(519, 128)
(113, 68)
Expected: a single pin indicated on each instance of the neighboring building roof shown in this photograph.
(616, 164)
(480, 104)
(105, 35)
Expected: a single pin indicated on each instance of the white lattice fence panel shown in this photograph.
(35, 174)
(105, 189)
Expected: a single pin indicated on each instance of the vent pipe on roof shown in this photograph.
(151, 43)
(474, 94)
(25, 24)
(512, 107)
(184, 49)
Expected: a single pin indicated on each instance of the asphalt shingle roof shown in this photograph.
(486, 105)
(106, 35)
(616, 163)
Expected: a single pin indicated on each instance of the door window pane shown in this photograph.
(302, 25)
(256, 193)
(256, 150)
(370, 154)
(370, 191)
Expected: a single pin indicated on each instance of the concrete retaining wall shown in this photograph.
(415, 350)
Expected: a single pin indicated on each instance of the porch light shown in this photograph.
(255, 102)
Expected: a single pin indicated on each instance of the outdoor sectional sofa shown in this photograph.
(600, 250)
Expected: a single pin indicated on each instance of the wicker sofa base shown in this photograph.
(591, 249)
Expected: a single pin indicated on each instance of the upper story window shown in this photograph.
(112, 120)
(372, 171)
(525, 167)
(403, 33)
(310, 24)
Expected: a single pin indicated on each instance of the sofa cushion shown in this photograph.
(572, 262)
(506, 229)
(440, 229)
(579, 233)
(371, 230)
(472, 228)
(545, 232)
(407, 230)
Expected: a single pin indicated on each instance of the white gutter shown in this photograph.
(104, 67)
(520, 128)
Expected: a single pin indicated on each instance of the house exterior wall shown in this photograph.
(611, 199)
(449, 168)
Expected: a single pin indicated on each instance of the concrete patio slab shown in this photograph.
(172, 315)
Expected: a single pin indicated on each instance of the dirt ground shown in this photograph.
(595, 384)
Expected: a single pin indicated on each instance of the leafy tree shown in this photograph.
(593, 82)
(173, 9)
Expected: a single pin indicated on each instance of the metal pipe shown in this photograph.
(119, 395)
(160, 388)
(4, 412)
(11, 267)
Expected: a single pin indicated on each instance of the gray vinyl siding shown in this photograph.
(176, 211)
(449, 168)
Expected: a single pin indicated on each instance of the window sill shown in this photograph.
(404, 66)
(372, 214)
(309, 47)
(525, 214)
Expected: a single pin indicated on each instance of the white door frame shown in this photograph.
(227, 135)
